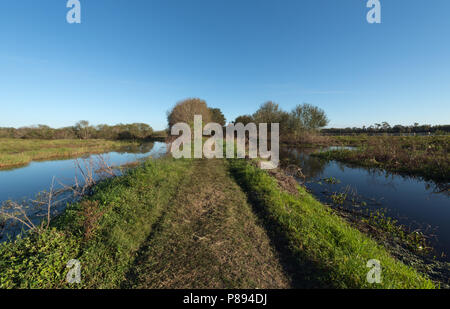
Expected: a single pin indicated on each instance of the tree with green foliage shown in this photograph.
(306, 117)
(136, 131)
(217, 116)
(83, 129)
(244, 119)
(268, 112)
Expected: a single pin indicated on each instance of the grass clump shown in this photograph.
(326, 251)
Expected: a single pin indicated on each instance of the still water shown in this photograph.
(413, 202)
(26, 182)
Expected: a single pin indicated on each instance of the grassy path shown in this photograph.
(209, 238)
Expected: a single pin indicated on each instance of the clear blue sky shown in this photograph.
(131, 60)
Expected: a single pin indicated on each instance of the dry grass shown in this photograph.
(306, 138)
(91, 213)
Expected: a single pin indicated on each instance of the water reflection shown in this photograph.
(26, 182)
(27, 185)
(415, 203)
(311, 166)
(138, 149)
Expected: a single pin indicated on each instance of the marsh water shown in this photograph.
(415, 203)
(26, 183)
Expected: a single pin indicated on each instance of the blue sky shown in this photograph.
(131, 60)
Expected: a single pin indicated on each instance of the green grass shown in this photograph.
(333, 253)
(18, 152)
(129, 205)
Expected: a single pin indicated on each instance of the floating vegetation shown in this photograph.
(351, 201)
(331, 181)
(339, 198)
(415, 240)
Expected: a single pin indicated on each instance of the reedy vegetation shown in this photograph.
(425, 156)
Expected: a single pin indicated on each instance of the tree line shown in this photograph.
(303, 119)
(81, 130)
(385, 127)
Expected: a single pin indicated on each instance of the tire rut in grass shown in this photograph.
(209, 238)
